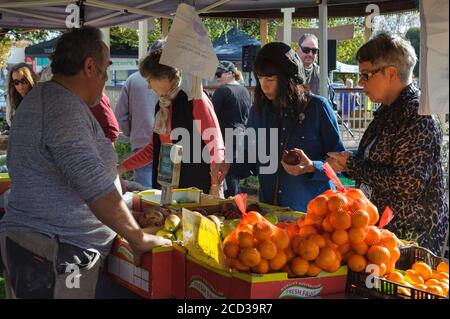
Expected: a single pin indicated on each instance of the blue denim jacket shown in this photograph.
(316, 134)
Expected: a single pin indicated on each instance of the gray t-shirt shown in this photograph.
(59, 161)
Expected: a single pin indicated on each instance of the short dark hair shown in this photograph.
(388, 49)
(72, 49)
(150, 67)
(306, 36)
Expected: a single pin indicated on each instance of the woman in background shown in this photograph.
(21, 79)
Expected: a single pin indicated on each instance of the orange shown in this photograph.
(326, 257)
(338, 255)
(307, 230)
(395, 276)
(356, 235)
(287, 269)
(373, 213)
(313, 270)
(422, 269)
(334, 267)
(343, 249)
(361, 248)
(295, 241)
(313, 219)
(404, 291)
(319, 205)
(337, 202)
(378, 254)
(357, 263)
(383, 269)
(340, 237)
(299, 266)
(280, 238)
(308, 250)
(330, 192)
(300, 221)
(435, 290)
(262, 230)
(267, 249)
(412, 277)
(355, 193)
(388, 267)
(245, 239)
(357, 204)
(373, 236)
(348, 255)
(388, 240)
(439, 275)
(230, 249)
(442, 267)
(250, 256)
(318, 239)
(326, 226)
(330, 243)
(253, 218)
(340, 220)
(292, 229)
(262, 267)
(278, 261)
(432, 282)
(360, 219)
(444, 288)
(290, 254)
(236, 264)
(395, 254)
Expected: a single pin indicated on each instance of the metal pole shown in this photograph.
(323, 48)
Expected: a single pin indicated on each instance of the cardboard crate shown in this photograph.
(205, 282)
(278, 285)
(160, 275)
(152, 197)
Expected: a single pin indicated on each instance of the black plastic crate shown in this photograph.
(356, 282)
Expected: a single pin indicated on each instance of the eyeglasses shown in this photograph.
(219, 74)
(366, 76)
(306, 50)
(21, 81)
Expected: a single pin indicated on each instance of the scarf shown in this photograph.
(162, 117)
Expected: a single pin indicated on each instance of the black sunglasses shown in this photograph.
(21, 81)
(306, 50)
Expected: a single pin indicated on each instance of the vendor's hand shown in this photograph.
(147, 243)
(219, 171)
(305, 166)
(338, 160)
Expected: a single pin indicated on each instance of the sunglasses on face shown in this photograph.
(366, 76)
(306, 50)
(21, 81)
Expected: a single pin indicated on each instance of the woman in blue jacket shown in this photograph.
(304, 122)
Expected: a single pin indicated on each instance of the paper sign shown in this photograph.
(188, 46)
(202, 239)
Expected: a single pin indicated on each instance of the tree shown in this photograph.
(5, 47)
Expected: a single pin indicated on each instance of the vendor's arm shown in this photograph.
(138, 159)
(406, 178)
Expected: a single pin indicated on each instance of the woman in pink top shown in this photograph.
(201, 166)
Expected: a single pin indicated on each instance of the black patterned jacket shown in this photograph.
(399, 162)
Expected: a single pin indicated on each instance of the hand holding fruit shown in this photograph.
(146, 244)
(295, 162)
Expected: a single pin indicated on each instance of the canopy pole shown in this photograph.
(323, 47)
(165, 27)
(143, 39)
(287, 25)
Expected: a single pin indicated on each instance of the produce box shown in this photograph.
(160, 275)
(182, 197)
(279, 286)
(206, 282)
